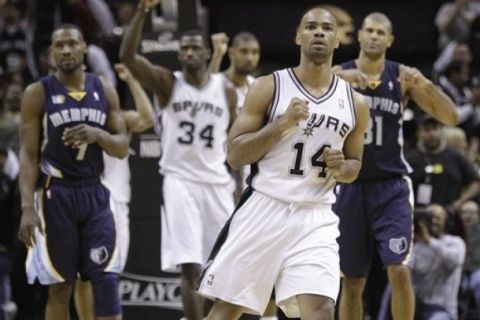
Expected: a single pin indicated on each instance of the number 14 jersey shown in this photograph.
(194, 131)
(294, 169)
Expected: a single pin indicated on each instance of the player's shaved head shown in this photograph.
(317, 9)
(67, 26)
(379, 18)
(243, 37)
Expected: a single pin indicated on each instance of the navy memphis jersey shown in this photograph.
(383, 151)
(64, 109)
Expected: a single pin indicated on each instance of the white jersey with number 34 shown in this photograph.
(194, 131)
(294, 169)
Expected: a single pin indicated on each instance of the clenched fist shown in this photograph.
(297, 111)
(334, 159)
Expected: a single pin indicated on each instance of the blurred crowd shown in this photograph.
(445, 161)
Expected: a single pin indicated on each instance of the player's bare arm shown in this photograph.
(446, 22)
(220, 47)
(114, 141)
(143, 118)
(355, 77)
(250, 138)
(232, 102)
(153, 77)
(345, 165)
(428, 96)
(30, 126)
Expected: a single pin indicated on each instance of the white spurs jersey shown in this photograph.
(116, 177)
(194, 131)
(294, 170)
(242, 92)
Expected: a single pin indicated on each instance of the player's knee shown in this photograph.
(398, 275)
(353, 286)
(60, 293)
(322, 309)
(106, 296)
(224, 310)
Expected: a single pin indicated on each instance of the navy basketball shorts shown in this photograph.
(374, 215)
(79, 232)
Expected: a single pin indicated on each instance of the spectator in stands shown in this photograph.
(469, 213)
(454, 20)
(457, 140)
(454, 51)
(436, 265)
(440, 175)
(455, 83)
(10, 117)
(124, 14)
(9, 212)
(16, 40)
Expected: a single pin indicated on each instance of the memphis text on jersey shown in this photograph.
(77, 115)
(383, 104)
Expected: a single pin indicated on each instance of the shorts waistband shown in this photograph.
(316, 206)
(45, 181)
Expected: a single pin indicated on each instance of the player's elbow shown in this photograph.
(118, 153)
(148, 123)
(126, 57)
(143, 125)
(120, 150)
(233, 160)
(122, 153)
(235, 157)
(454, 119)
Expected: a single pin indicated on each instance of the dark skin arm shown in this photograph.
(114, 141)
(143, 117)
(156, 78)
(232, 107)
(357, 78)
(30, 125)
(220, 47)
(428, 96)
(232, 102)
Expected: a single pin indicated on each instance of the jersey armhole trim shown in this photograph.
(47, 91)
(352, 104)
(276, 96)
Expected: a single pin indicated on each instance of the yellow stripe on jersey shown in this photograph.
(373, 84)
(77, 95)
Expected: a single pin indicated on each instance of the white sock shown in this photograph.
(269, 318)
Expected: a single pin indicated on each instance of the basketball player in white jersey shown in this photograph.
(199, 108)
(244, 55)
(116, 177)
(303, 130)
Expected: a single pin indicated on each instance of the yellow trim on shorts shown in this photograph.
(42, 240)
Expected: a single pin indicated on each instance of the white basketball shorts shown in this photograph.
(271, 243)
(192, 216)
(122, 224)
